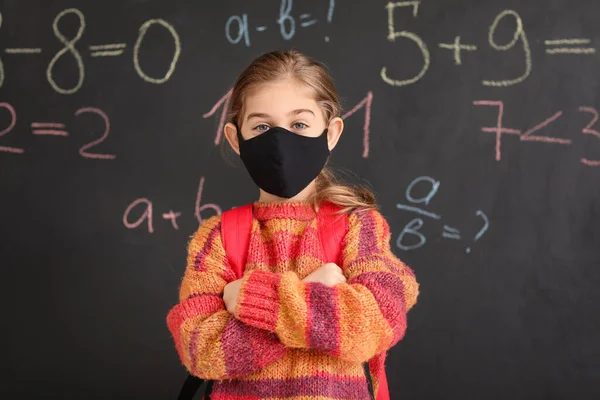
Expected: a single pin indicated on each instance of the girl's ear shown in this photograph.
(334, 131)
(231, 134)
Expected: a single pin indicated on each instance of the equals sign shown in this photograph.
(107, 50)
(48, 128)
(553, 49)
(451, 233)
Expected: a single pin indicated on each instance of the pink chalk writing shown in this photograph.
(223, 101)
(589, 131)
(147, 211)
(146, 215)
(199, 208)
(13, 122)
(173, 217)
(498, 129)
(83, 149)
(48, 128)
(366, 103)
(527, 136)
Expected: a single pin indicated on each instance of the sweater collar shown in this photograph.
(298, 210)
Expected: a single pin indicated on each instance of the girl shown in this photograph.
(294, 326)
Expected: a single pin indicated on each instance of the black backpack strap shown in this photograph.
(208, 390)
(190, 387)
(369, 381)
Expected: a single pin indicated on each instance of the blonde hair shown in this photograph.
(278, 65)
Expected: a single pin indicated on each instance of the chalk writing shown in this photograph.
(287, 24)
(365, 103)
(23, 50)
(69, 47)
(498, 129)
(147, 213)
(107, 50)
(242, 23)
(589, 131)
(83, 150)
(11, 125)
(411, 237)
(484, 228)
(58, 129)
(48, 128)
(457, 47)
(96, 51)
(198, 208)
(330, 15)
(529, 136)
(138, 43)
(237, 27)
(223, 103)
(569, 50)
(450, 233)
(393, 35)
(519, 34)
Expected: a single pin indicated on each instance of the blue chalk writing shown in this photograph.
(284, 17)
(242, 23)
(412, 228)
(435, 185)
(418, 211)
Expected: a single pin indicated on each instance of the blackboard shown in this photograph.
(474, 122)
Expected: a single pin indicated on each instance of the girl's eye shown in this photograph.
(262, 127)
(299, 126)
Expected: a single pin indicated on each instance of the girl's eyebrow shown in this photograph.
(300, 111)
(257, 115)
(267, 116)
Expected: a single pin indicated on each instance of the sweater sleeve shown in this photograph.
(352, 321)
(211, 343)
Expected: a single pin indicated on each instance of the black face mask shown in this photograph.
(281, 162)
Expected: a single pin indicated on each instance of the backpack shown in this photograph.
(236, 226)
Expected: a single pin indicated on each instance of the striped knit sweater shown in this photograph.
(289, 339)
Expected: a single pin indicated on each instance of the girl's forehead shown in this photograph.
(287, 93)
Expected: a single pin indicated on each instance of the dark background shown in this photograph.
(84, 298)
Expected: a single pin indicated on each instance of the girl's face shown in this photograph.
(285, 103)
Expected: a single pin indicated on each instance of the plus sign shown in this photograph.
(458, 48)
(173, 217)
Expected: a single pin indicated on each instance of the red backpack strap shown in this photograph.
(332, 230)
(236, 226)
(383, 392)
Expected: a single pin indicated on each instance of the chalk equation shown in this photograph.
(366, 104)
(143, 209)
(57, 129)
(101, 50)
(237, 27)
(411, 231)
(459, 49)
(535, 135)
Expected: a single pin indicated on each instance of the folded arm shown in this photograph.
(352, 321)
(211, 343)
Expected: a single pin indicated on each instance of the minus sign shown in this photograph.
(261, 28)
(23, 51)
(418, 211)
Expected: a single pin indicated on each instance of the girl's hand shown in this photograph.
(230, 295)
(329, 275)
